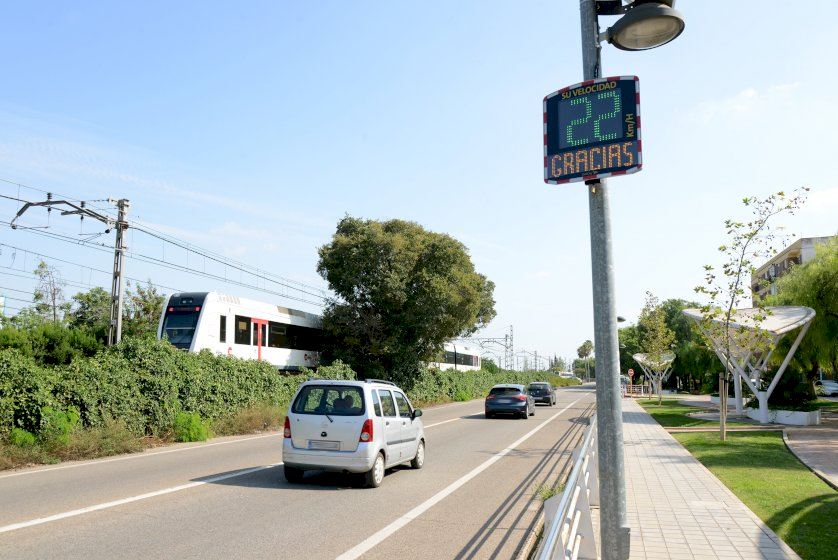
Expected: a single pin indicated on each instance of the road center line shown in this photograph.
(137, 456)
(107, 505)
(443, 422)
(382, 534)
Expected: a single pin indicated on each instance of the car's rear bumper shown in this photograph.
(506, 408)
(543, 399)
(358, 461)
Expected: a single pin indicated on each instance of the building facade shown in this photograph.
(764, 280)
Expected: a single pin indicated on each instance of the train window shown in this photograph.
(222, 329)
(242, 330)
(277, 335)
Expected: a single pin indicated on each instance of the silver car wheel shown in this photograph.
(378, 470)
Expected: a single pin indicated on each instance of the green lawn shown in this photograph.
(827, 406)
(670, 414)
(758, 468)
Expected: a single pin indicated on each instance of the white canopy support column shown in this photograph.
(657, 370)
(748, 362)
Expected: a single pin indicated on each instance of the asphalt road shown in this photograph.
(475, 497)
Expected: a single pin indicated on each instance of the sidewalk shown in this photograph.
(817, 447)
(678, 509)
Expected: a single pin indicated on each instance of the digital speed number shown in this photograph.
(592, 130)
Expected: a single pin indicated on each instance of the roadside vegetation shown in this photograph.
(145, 392)
(780, 490)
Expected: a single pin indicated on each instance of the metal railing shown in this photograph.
(634, 390)
(568, 528)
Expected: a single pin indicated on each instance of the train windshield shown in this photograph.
(179, 327)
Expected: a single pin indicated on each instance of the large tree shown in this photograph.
(92, 310)
(402, 293)
(143, 307)
(815, 285)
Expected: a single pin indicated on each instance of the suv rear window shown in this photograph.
(505, 391)
(337, 400)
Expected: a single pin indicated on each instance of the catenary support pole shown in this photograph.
(614, 530)
(117, 286)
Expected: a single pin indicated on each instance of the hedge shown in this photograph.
(145, 383)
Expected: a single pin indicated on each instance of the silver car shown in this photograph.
(351, 427)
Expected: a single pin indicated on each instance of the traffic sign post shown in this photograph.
(592, 130)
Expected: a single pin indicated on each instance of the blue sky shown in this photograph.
(250, 129)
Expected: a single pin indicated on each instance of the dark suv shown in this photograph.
(509, 399)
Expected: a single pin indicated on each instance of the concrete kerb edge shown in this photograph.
(533, 537)
(762, 525)
(817, 472)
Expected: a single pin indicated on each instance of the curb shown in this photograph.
(817, 472)
(529, 547)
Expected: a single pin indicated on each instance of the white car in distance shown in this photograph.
(351, 427)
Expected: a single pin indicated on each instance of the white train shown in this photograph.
(286, 338)
(455, 356)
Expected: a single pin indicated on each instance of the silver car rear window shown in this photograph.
(336, 400)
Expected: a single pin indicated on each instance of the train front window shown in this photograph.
(179, 327)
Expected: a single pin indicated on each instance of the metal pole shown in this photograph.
(115, 329)
(614, 529)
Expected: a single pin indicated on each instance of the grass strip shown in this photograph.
(780, 490)
(671, 414)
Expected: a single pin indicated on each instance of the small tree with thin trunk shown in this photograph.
(657, 340)
(749, 242)
(49, 294)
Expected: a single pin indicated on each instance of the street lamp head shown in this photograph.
(646, 25)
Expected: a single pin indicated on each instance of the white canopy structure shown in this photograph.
(753, 336)
(657, 370)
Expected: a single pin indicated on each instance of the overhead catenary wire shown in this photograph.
(308, 294)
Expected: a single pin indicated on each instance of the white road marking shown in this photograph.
(136, 456)
(106, 505)
(443, 422)
(378, 537)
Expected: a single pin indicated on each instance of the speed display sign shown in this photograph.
(592, 130)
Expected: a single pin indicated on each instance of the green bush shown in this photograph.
(57, 425)
(21, 438)
(188, 426)
(50, 343)
(25, 388)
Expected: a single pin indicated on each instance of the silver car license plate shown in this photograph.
(323, 445)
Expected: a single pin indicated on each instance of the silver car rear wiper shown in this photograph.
(329, 417)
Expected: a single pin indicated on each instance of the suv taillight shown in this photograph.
(490, 398)
(366, 431)
(521, 397)
(287, 430)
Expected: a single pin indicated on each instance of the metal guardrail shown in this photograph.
(568, 529)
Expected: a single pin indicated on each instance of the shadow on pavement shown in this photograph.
(273, 478)
(506, 518)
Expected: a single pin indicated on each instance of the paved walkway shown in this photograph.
(817, 446)
(678, 509)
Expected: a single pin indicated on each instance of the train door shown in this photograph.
(260, 335)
